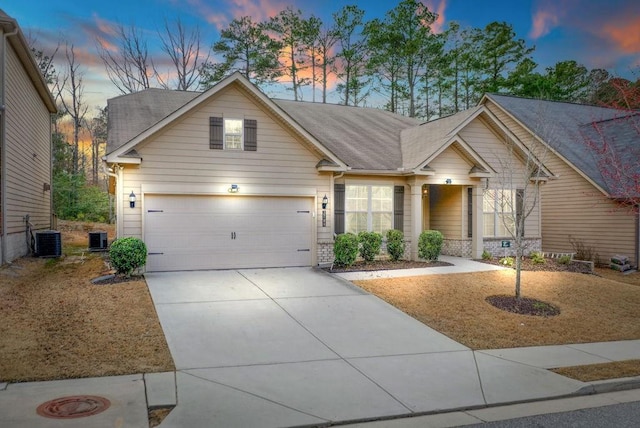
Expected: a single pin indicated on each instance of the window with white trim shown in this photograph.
(233, 134)
(368, 208)
(499, 212)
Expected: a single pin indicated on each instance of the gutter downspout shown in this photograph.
(116, 177)
(3, 142)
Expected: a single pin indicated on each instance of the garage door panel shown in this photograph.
(199, 232)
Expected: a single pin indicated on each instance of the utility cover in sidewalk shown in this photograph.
(77, 406)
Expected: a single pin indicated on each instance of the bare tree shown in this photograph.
(325, 42)
(97, 127)
(182, 46)
(71, 87)
(515, 193)
(128, 65)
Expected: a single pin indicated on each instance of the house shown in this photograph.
(26, 106)
(230, 178)
(587, 202)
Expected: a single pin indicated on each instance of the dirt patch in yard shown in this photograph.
(361, 265)
(56, 324)
(592, 309)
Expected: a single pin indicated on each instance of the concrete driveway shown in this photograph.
(297, 346)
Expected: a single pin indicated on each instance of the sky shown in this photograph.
(595, 33)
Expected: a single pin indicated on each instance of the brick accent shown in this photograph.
(462, 247)
(494, 246)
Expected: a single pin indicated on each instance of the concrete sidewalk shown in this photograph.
(299, 347)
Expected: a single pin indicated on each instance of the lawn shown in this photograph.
(593, 308)
(56, 324)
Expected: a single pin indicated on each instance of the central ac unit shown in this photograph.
(48, 243)
(97, 241)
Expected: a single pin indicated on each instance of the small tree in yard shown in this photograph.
(515, 193)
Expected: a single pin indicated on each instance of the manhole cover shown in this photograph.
(77, 406)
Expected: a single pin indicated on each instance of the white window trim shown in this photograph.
(224, 134)
(369, 211)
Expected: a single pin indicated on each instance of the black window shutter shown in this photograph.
(338, 208)
(250, 135)
(470, 212)
(216, 133)
(519, 207)
(398, 208)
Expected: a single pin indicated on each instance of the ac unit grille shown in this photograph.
(48, 243)
(97, 241)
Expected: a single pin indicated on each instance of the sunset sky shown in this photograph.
(596, 33)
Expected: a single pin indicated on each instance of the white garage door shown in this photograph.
(223, 232)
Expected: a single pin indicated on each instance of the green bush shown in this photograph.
(507, 261)
(430, 245)
(370, 243)
(486, 255)
(345, 249)
(537, 258)
(128, 254)
(564, 260)
(395, 244)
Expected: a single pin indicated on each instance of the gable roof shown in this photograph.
(376, 132)
(120, 148)
(422, 143)
(131, 114)
(561, 126)
(12, 30)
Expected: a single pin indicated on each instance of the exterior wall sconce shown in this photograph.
(132, 200)
(425, 189)
(448, 181)
(233, 189)
(325, 201)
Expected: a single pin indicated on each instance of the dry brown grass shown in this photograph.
(56, 324)
(593, 372)
(593, 309)
(614, 275)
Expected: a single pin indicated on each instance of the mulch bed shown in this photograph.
(523, 306)
(360, 266)
(549, 265)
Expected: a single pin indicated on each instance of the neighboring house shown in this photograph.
(230, 178)
(586, 202)
(26, 106)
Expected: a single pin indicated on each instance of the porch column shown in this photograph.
(477, 227)
(119, 201)
(416, 216)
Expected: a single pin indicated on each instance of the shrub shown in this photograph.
(128, 254)
(581, 249)
(564, 260)
(537, 258)
(430, 245)
(395, 244)
(507, 261)
(370, 243)
(345, 249)
(486, 255)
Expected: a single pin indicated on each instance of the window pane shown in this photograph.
(356, 198)
(505, 225)
(232, 126)
(488, 220)
(356, 222)
(381, 222)
(381, 198)
(488, 202)
(233, 142)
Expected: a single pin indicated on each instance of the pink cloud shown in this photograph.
(438, 26)
(543, 22)
(625, 34)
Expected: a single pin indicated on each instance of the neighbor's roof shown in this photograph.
(562, 126)
(363, 138)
